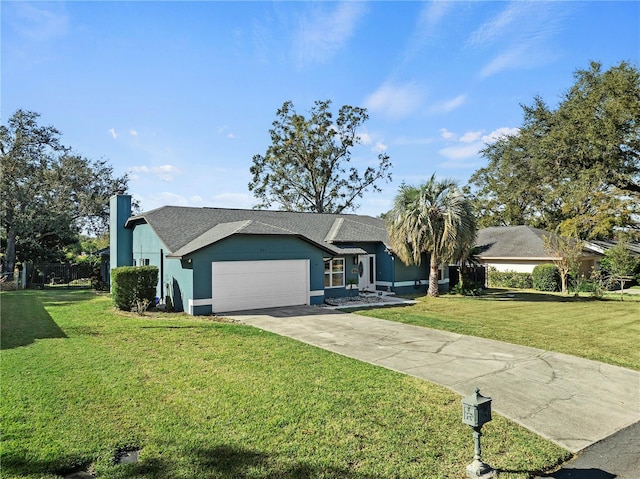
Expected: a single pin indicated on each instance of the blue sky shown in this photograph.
(181, 95)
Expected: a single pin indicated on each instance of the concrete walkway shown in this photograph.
(571, 401)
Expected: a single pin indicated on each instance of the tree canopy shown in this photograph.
(575, 168)
(620, 264)
(49, 193)
(433, 218)
(306, 168)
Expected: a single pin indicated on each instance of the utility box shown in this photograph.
(476, 409)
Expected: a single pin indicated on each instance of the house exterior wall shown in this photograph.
(527, 265)
(396, 276)
(252, 248)
(518, 266)
(174, 279)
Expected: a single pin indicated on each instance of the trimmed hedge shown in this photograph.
(546, 277)
(130, 284)
(510, 279)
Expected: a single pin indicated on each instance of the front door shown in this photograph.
(367, 272)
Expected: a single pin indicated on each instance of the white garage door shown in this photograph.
(239, 285)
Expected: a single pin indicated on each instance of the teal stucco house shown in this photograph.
(214, 260)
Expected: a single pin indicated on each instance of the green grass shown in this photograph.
(603, 330)
(205, 399)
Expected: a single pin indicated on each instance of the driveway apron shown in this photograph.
(571, 401)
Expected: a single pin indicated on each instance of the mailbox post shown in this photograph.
(476, 411)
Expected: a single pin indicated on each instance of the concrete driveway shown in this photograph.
(571, 401)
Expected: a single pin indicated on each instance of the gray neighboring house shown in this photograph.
(520, 249)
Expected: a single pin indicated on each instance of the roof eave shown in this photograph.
(302, 237)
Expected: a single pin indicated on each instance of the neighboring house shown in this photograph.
(602, 246)
(520, 249)
(215, 260)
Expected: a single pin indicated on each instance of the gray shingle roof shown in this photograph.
(185, 229)
(515, 242)
(511, 242)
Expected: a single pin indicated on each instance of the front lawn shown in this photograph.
(203, 399)
(603, 330)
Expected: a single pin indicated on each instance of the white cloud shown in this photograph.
(470, 143)
(224, 130)
(458, 152)
(464, 165)
(515, 57)
(113, 133)
(233, 200)
(380, 147)
(470, 136)
(39, 24)
(165, 198)
(490, 31)
(521, 33)
(395, 101)
(495, 135)
(133, 132)
(365, 138)
(324, 32)
(426, 30)
(196, 200)
(446, 134)
(449, 105)
(433, 13)
(162, 172)
(156, 199)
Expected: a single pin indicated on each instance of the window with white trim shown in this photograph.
(334, 273)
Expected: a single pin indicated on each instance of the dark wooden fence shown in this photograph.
(61, 275)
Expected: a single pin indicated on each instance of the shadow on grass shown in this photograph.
(531, 296)
(24, 319)
(230, 462)
(14, 466)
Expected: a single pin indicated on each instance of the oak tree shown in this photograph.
(49, 193)
(307, 166)
(575, 167)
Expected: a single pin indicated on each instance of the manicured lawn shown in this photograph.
(205, 399)
(604, 330)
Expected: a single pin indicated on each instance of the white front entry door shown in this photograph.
(367, 272)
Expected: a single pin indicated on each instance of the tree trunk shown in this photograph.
(10, 258)
(433, 277)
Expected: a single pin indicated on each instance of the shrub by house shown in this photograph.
(546, 277)
(133, 285)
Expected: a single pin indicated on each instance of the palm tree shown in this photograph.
(433, 218)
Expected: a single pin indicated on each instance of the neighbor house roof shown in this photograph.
(603, 246)
(185, 230)
(512, 242)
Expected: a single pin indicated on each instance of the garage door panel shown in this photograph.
(242, 285)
